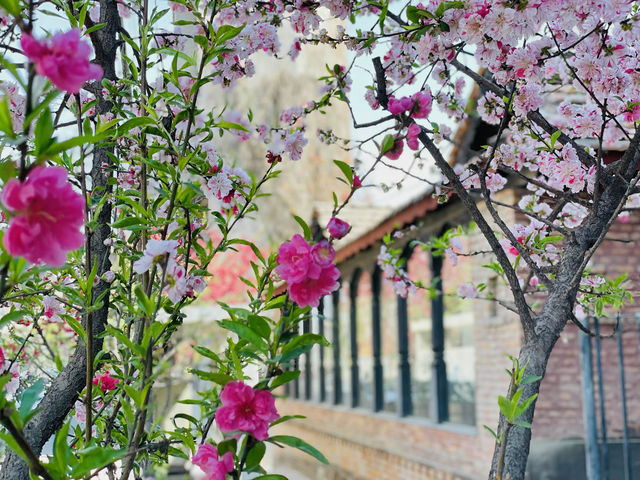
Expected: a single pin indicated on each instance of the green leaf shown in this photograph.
(284, 378)
(56, 148)
(303, 340)
(215, 377)
(231, 126)
(145, 302)
(44, 131)
(95, 457)
(205, 352)
(12, 317)
(505, 407)
(246, 333)
(554, 138)
(285, 418)
(11, 6)
(6, 124)
(126, 222)
(61, 448)
(300, 445)
(305, 228)
(522, 423)
(132, 123)
(346, 170)
(490, 430)
(29, 398)
(255, 455)
(76, 326)
(530, 379)
(13, 445)
(387, 144)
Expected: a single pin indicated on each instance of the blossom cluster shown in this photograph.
(63, 58)
(393, 272)
(243, 409)
(308, 270)
(178, 283)
(46, 216)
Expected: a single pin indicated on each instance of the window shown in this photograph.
(344, 332)
(364, 340)
(327, 319)
(412, 356)
(420, 349)
(389, 347)
(459, 350)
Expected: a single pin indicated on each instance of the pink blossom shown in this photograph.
(215, 467)
(63, 58)
(2, 359)
(309, 291)
(308, 271)
(338, 228)
(49, 216)
(399, 106)
(294, 259)
(106, 382)
(412, 136)
(467, 291)
(357, 183)
(421, 104)
(323, 253)
(246, 410)
(155, 251)
(52, 308)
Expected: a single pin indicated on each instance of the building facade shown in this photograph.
(408, 385)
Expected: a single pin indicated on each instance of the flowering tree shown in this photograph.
(109, 167)
(107, 162)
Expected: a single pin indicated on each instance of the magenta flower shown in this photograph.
(309, 270)
(422, 104)
(106, 382)
(63, 58)
(357, 183)
(214, 467)
(49, 216)
(412, 136)
(322, 253)
(399, 106)
(338, 228)
(309, 291)
(294, 259)
(246, 410)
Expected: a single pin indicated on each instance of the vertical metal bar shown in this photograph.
(306, 328)
(378, 393)
(337, 376)
(592, 458)
(404, 377)
(439, 388)
(353, 332)
(321, 372)
(625, 426)
(603, 418)
(296, 382)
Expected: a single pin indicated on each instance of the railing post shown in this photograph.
(378, 393)
(439, 386)
(592, 459)
(623, 394)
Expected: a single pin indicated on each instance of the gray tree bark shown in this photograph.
(558, 307)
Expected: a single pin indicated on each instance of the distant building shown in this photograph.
(408, 384)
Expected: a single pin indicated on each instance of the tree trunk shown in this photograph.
(63, 392)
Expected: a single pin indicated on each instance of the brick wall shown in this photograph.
(363, 445)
